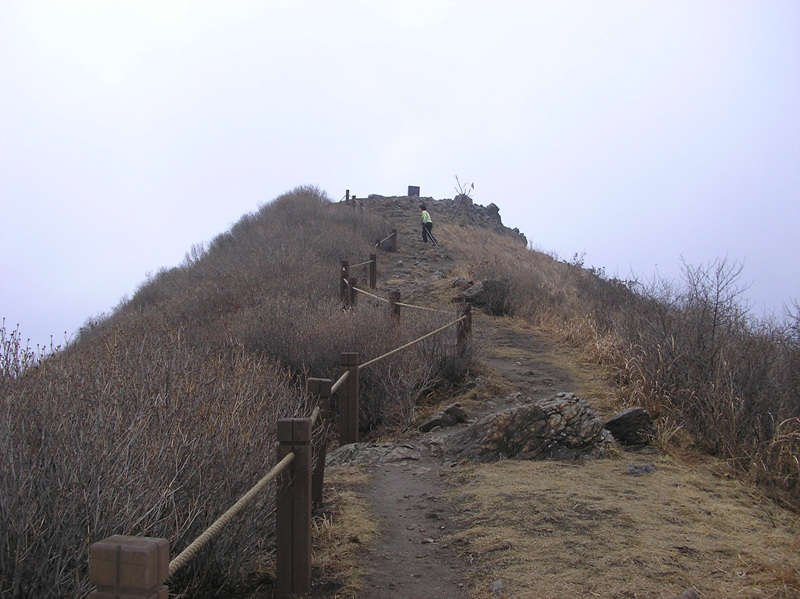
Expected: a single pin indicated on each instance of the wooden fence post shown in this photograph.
(352, 297)
(394, 309)
(347, 197)
(373, 271)
(123, 566)
(393, 240)
(319, 391)
(344, 277)
(464, 329)
(348, 400)
(293, 510)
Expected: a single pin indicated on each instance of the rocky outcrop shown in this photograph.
(491, 295)
(561, 426)
(632, 427)
(461, 209)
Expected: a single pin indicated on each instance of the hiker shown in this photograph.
(427, 226)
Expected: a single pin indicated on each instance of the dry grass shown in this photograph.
(556, 529)
(341, 533)
(162, 414)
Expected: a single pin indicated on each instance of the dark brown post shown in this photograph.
(373, 271)
(319, 391)
(293, 510)
(394, 309)
(347, 197)
(393, 240)
(464, 329)
(348, 400)
(344, 276)
(123, 566)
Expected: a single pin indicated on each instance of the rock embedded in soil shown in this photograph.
(634, 426)
(562, 426)
(450, 416)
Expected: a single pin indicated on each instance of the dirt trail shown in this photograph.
(553, 530)
(414, 558)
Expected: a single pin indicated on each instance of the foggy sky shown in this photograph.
(634, 134)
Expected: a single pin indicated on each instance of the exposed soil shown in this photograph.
(416, 557)
(558, 529)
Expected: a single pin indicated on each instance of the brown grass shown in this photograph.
(162, 414)
(556, 529)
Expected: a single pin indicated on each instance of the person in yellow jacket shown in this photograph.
(427, 226)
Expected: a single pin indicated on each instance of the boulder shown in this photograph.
(450, 416)
(490, 294)
(561, 426)
(632, 427)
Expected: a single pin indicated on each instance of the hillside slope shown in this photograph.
(550, 529)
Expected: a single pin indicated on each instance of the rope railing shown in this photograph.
(421, 308)
(213, 530)
(382, 299)
(361, 264)
(388, 237)
(370, 294)
(339, 382)
(410, 343)
(315, 414)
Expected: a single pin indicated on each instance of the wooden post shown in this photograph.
(394, 309)
(393, 240)
(464, 329)
(347, 197)
(293, 510)
(348, 400)
(344, 276)
(131, 567)
(373, 271)
(319, 391)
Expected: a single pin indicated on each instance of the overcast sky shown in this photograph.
(631, 132)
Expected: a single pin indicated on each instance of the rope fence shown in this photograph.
(361, 263)
(339, 382)
(410, 343)
(383, 299)
(137, 567)
(213, 530)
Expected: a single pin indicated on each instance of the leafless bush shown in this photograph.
(696, 356)
(162, 414)
(689, 351)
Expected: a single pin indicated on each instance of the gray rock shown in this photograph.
(497, 588)
(632, 427)
(450, 416)
(562, 427)
(639, 469)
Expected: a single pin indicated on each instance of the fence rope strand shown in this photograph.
(214, 529)
(361, 264)
(315, 414)
(370, 294)
(399, 303)
(339, 382)
(422, 308)
(387, 238)
(410, 343)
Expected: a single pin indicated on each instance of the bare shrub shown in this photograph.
(690, 352)
(698, 358)
(162, 414)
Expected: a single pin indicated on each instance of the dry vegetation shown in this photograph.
(162, 414)
(717, 378)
